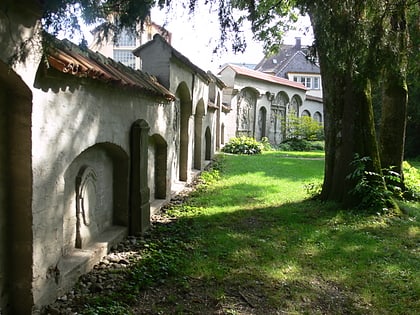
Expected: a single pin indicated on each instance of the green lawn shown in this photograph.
(249, 241)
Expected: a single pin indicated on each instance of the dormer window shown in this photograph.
(312, 83)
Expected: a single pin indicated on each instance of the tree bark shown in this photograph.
(349, 130)
(348, 122)
(395, 93)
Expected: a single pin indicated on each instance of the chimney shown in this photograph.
(298, 43)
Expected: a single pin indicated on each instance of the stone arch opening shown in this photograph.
(185, 104)
(245, 115)
(15, 193)
(262, 123)
(318, 117)
(208, 150)
(295, 104)
(198, 133)
(159, 165)
(96, 195)
(277, 118)
(305, 113)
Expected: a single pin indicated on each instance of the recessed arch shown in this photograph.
(318, 117)
(95, 194)
(185, 103)
(198, 133)
(208, 149)
(245, 115)
(159, 167)
(262, 123)
(295, 104)
(305, 113)
(281, 99)
(277, 117)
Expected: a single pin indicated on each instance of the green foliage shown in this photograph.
(304, 127)
(301, 145)
(411, 182)
(266, 145)
(313, 189)
(370, 189)
(243, 145)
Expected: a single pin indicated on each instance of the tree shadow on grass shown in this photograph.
(297, 258)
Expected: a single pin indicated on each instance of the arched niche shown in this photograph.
(198, 133)
(208, 148)
(262, 123)
(245, 115)
(318, 117)
(185, 103)
(95, 195)
(158, 166)
(277, 117)
(305, 113)
(295, 104)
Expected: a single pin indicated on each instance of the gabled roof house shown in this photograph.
(292, 63)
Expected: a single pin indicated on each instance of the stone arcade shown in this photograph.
(91, 148)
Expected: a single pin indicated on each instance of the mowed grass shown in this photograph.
(250, 241)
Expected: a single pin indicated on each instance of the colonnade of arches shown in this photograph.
(258, 119)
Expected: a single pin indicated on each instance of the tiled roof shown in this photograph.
(265, 77)
(69, 58)
(289, 59)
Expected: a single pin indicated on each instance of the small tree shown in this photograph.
(304, 127)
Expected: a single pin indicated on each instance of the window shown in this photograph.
(126, 57)
(126, 39)
(309, 82)
(315, 85)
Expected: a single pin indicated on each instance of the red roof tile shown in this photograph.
(69, 58)
(265, 77)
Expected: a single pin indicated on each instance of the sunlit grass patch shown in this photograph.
(250, 239)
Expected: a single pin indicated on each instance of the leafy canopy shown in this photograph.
(269, 19)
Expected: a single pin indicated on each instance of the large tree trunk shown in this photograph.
(349, 123)
(349, 130)
(395, 94)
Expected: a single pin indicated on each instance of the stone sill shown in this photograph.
(81, 261)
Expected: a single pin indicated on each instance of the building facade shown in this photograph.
(293, 63)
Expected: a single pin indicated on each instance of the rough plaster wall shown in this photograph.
(229, 119)
(156, 60)
(64, 125)
(312, 107)
(178, 74)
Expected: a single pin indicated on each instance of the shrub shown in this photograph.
(266, 145)
(301, 145)
(303, 127)
(243, 145)
(411, 181)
